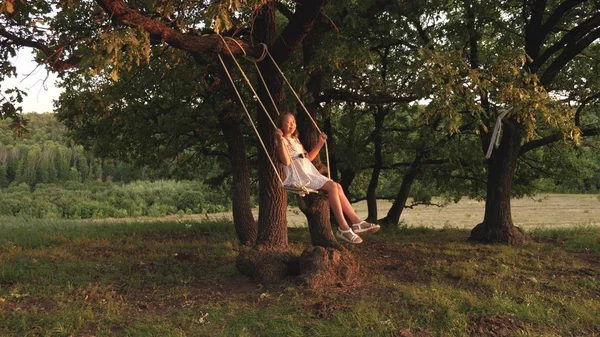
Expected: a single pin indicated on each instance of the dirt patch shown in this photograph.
(326, 307)
(495, 326)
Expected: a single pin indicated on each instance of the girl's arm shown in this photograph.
(282, 154)
(314, 152)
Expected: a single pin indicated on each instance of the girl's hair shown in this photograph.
(282, 118)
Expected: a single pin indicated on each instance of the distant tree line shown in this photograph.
(44, 174)
(44, 155)
(52, 162)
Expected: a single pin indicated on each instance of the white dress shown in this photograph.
(303, 173)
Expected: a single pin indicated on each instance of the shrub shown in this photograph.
(191, 201)
(158, 210)
(101, 200)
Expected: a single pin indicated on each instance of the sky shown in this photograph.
(41, 91)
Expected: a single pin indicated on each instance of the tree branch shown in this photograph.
(556, 16)
(568, 53)
(338, 95)
(534, 144)
(533, 34)
(395, 43)
(433, 162)
(284, 10)
(52, 56)
(423, 203)
(572, 37)
(297, 28)
(123, 15)
(582, 106)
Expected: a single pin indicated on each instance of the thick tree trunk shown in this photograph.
(497, 225)
(245, 225)
(269, 260)
(327, 262)
(315, 208)
(393, 216)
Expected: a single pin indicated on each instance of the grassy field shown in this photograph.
(178, 278)
(544, 211)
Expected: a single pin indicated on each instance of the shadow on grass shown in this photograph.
(179, 279)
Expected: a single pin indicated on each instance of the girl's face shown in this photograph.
(288, 126)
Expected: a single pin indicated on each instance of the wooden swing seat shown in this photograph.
(301, 190)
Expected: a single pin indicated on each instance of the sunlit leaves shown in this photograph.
(508, 85)
(223, 14)
(114, 51)
(7, 6)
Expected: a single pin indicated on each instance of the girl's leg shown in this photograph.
(358, 225)
(346, 206)
(336, 207)
(334, 203)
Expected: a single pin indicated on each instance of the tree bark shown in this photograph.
(245, 225)
(327, 262)
(316, 208)
(497, 225)
(270, 260)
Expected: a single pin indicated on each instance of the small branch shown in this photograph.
(400, 42)
(583, 105)
(338, 95)
(52, 56)
(530, 163)
(284, 10)
(425, 203)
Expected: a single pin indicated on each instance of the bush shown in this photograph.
(158, 210)
(191, 201)
(39, 209)
(76, 200)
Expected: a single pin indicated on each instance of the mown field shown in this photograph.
(178, 278)
(543, 211)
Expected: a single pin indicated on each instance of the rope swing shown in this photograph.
(298, 189)
(496, 134)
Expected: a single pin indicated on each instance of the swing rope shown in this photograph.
(302, 189)
(495, 140)
(245, 78)
(265, 53)
(303, 107)
(246, 109)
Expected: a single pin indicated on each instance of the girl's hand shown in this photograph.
(278, 134)
(322, 138)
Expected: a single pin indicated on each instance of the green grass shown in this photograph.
(76, 278)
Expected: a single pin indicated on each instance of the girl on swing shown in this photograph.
(291, 152)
